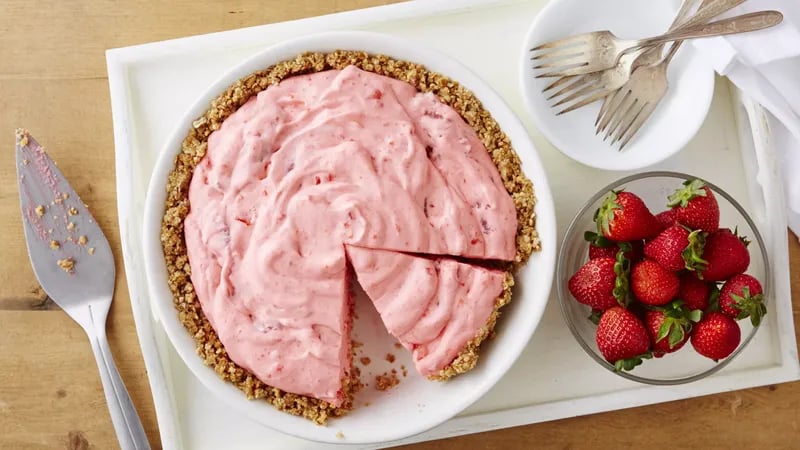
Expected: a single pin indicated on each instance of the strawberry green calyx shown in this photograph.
(594, 317)
(677, 323)
(605, 213)
(629, 363)
(598, 240)
(751, 306)
(744, 239)
(622, 268)
(693, 253)
(692, 189)
(713, 298)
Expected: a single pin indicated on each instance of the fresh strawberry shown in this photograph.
(695, 206)
(741, 297)
(726, 255)
(669, 327)
(603, 252)
(601, 283)
(600, 247)
(666, 218)
(677, 248)
(622, 338)
(624, 217)
(716, 336)
(694, 292)
(652, 284)
(637, 251)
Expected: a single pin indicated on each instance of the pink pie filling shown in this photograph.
(304, 167)
(432, 306)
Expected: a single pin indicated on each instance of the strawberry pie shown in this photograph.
(330, 168)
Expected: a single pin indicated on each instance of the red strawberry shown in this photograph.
(600, 247)
(741, 297)
(695, 206)
(677, 248)
(694, 292)
(622, 338)
(726, 255)
(637, 251)
(601, 283)
(653, 284)
(666, 218)
(716, 336)
(624, 217)
(603, 252)
(669, 327)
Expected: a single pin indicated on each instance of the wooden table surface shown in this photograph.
(53, 82)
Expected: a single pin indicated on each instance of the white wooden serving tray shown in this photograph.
(153, 84)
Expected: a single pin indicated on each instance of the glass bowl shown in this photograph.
(684, 365)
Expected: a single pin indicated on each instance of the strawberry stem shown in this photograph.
(744, 239)
(693, 253)
(629, 363)
(598, 240)
(751, 306)
(691, 190)
(605, 213)
(622, 268)
(713, 298)
(677, 322)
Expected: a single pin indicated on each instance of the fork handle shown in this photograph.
(739, 24)
(707, 11)
(130, 433)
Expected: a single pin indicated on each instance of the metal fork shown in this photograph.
(601, 50)
(707, 10)
(630, 107)
(586, 89)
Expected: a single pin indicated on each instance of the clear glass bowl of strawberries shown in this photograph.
(662, 278)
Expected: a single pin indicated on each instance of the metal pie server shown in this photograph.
(73, 262)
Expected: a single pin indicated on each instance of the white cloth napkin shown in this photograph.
(765, 65)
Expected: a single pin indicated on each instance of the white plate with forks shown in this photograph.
(673, 124)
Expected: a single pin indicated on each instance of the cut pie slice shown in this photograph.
(438, 308)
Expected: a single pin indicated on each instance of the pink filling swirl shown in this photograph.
(315, 163)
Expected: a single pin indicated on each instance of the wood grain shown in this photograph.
(53, 82)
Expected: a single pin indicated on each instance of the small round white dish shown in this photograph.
(672, 125)
(416, 404)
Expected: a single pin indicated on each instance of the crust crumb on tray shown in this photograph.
(194, 147)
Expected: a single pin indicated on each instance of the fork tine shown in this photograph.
(588, 100)
(620, 115)
(561, 52)
(612, 105)
(558, 83)
(568, 41)
(604, 108)
(645, 114)
(579, 58)
(629, 118)
(579, 82)
(573, 70)
(586, 90)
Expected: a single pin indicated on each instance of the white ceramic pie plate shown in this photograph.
(416, 404)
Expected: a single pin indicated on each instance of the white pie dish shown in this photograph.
(672, 125)
(416, 404)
